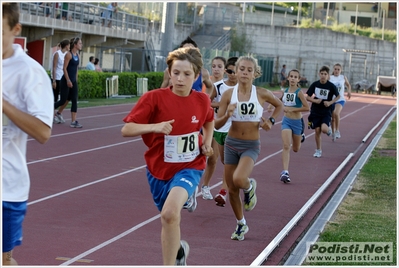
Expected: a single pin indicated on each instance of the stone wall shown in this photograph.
(309, 49)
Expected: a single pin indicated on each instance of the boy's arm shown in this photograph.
(132, 129)
(29, 124)
(207, 131)
(337, 97)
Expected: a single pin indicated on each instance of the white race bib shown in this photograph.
(181, 148)
(321, 93)
(247, 110)
(289, 99)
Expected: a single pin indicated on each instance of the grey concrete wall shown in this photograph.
(309, 49)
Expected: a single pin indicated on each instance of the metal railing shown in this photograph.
(87, 14)
(222, 41)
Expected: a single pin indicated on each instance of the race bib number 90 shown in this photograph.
(181, 148)
(289, 99)
(321, 93)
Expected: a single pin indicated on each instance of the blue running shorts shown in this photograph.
(186, 178)
(294, 124)
(13, 216)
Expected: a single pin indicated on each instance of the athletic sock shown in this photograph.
(249, 189)
(180, 253)
(242, 221)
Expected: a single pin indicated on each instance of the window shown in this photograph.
(331, 7)
(392, 10)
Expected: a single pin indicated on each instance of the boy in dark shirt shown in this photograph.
(322, 94)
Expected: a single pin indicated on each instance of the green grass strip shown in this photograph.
(368, 213)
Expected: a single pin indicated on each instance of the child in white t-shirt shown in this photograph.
(27, 101)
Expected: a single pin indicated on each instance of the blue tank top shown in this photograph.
(72, 67)
(291, 99)
(197, 86)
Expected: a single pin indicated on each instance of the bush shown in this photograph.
(318, 24)
(306, 23)
(92, 85)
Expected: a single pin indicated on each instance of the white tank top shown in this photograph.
(220, 90)
(246, 111)
(339, 82)
(59, 72)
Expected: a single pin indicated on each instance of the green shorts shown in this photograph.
(220, 137)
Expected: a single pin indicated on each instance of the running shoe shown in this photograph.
(285, 177)
(191, 203)
(250, 197)
(60, 118)
(337, 134)
(329, 132)
(240, 231)
(334, 136)
(303, 137)
(75, 124)
(317, 153)
(220, 198)
(56, 120)
(186, 249)
(206, 193)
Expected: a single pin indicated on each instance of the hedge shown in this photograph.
(92, 85)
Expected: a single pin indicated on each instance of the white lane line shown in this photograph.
(81, 152)
(84, 185)
(80, 131)
(106, 243)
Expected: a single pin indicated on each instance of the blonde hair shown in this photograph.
(257, 69)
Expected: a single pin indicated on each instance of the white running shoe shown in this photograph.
(329, 131)
(191, 203)
(317, 153)
(56, 120)
(60, 118)
(334, 136)
(183, 260)
(337, 134)
(206, 193)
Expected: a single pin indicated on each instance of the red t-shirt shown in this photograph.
(190, 113)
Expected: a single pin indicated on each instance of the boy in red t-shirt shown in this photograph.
(169, 121)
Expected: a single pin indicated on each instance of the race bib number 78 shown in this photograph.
(181, 148)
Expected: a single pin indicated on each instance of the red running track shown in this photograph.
(90, 203)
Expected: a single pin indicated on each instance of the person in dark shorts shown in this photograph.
(322, 94)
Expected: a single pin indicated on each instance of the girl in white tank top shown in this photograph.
(340, 81)
(244, 105)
